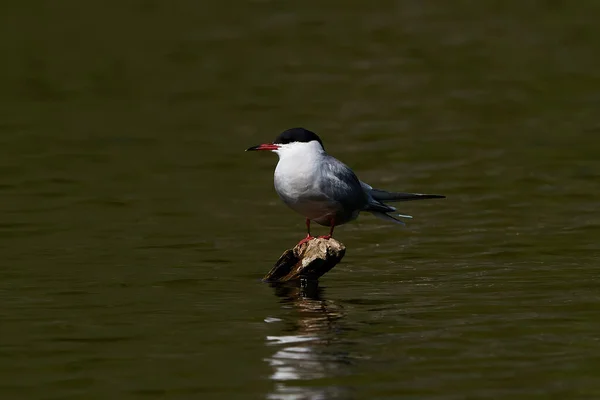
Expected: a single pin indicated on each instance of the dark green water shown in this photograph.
(134, 229)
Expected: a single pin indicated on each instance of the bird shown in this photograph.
(322, 188)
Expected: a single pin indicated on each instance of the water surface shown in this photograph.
(135, 230)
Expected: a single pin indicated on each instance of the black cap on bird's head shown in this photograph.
(292, 135)
(297, 135)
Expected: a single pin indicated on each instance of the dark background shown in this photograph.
(134, 229)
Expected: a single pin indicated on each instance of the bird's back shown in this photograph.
(340, 183)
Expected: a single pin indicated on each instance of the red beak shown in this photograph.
(266, 146)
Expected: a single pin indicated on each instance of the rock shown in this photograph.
(309, 260)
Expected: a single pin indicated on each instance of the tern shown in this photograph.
(322, 188)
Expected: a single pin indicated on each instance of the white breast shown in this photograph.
(296, 180)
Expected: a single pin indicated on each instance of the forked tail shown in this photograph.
(378, 198)
(382, 195)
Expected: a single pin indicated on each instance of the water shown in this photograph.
(135, 229)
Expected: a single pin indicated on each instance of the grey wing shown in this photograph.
(379, 209)
(340, 183)
(375, 205)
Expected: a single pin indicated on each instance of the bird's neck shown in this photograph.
(301, 153)
(300, 162)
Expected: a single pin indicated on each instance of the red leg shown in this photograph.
(330, 231)
(308, 237)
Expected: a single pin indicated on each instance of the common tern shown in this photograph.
(322, 188)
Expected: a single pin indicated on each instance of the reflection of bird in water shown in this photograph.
(317, 315)
(313, 349)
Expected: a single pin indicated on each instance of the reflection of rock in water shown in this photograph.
(316, 315)
(312, 350)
